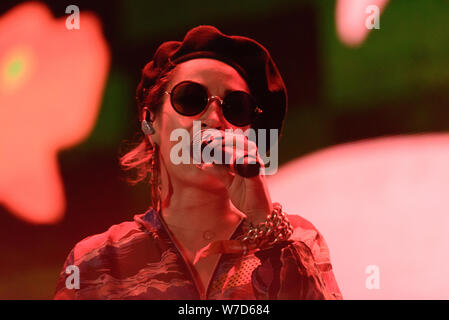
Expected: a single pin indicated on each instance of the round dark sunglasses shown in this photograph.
(191, 98)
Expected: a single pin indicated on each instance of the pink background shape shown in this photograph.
(381, 202)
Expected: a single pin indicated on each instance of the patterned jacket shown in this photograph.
(139, 260)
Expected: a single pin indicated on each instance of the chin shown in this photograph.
(204, 180)
(191, 175)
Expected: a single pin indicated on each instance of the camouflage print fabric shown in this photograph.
(138, 260)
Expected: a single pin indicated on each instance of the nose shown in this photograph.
(213, 117)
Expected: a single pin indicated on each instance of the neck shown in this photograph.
(188, 206)
(191, 207)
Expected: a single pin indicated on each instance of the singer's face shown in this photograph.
(219, 78)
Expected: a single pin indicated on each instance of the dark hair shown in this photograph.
(137, 159)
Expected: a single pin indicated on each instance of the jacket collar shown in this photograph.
(151, 220)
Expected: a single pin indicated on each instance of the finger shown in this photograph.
(214, 152)
(220, 172)
(241, 148)
(218, 154)
(231, 138)
(228, 138)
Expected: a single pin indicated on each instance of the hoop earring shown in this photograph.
(155, 183)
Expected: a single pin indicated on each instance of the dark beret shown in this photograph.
(247, 56)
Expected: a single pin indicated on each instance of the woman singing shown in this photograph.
(212, 231)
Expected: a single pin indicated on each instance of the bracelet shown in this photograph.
(276, 228)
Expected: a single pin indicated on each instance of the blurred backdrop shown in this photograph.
(395, 82)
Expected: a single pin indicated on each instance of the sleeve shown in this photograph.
(85, 273)
(297, 269)
(77, 269)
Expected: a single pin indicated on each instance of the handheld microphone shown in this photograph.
(206, 136)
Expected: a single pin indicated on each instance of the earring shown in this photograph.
(147, 127)
(155, 183)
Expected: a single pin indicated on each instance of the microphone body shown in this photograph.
(206, 136)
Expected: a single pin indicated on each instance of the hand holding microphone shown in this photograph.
(247, 189)
(244, 162)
